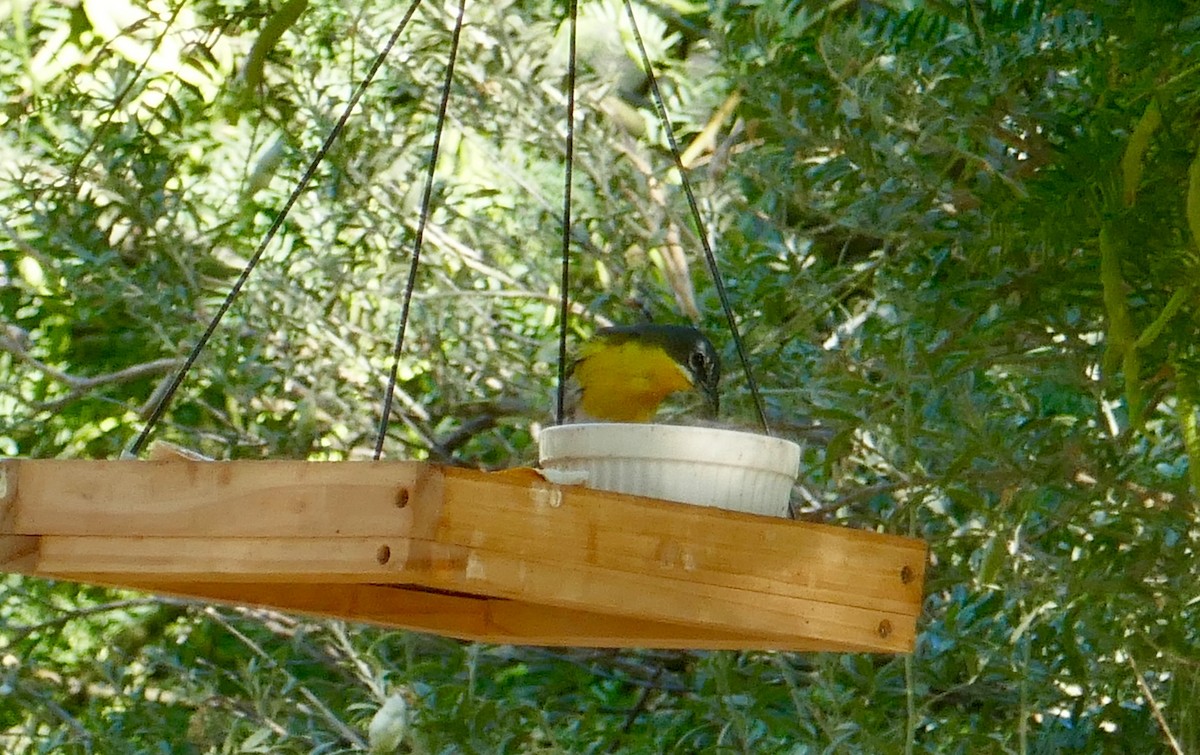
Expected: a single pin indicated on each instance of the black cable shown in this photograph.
(564, 286)
(426, 199)
(710, 258)
(161, 407)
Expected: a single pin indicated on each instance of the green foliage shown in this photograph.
(961, 242)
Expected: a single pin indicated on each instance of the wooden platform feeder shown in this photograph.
(505, 557)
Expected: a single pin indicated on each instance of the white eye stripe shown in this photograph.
(687, 374)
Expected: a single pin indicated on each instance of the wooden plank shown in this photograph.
(556, 555)
(648, 596)
(248, 559)
(581, 527)
(469, 617)
(628, 598)
(213, 498)
(623, 594)
(302, 499)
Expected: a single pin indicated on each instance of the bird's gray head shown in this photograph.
(690, 348)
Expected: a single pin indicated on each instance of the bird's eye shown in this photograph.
(698, 361)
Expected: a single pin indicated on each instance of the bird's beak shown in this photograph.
(713, 399)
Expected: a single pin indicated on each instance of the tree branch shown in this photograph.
(1155, 710)
(343, 729)
(11, 342)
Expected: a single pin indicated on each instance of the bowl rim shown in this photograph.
(653, 443)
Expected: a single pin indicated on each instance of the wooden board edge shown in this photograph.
(19, 553)
(622, 594)
(478, 619)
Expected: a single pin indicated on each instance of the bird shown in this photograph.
(623, 373)
(390, 724)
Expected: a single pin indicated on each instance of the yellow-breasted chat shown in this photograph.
(623, 373)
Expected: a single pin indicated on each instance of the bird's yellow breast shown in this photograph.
(625, 382)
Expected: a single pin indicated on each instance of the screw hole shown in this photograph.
(906, 574)
(383, 555)
(885, 629)
(402, 498)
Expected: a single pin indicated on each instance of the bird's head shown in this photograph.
(687, 347)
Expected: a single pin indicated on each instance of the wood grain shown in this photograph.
(509, 557)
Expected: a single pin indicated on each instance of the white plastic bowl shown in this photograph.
(700, 465)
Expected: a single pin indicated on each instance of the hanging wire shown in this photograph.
(426, 200)
(564, 285)
(165, 400)
(710, 258)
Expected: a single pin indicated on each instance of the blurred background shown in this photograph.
(960, 238)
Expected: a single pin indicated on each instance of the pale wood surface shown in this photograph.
(472, 617)
(539, 563)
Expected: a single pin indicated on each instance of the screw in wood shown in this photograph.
(383, 555)
(906, 574)
(885, 629)
(401, 498)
